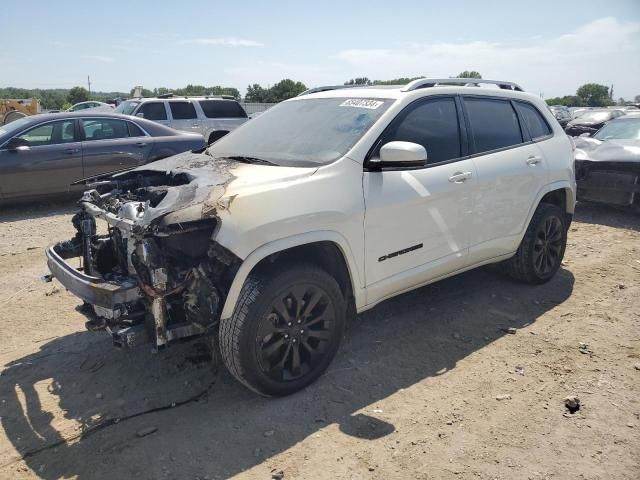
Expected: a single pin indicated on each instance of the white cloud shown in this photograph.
(99, 58)
(603, 51)
(224, 41)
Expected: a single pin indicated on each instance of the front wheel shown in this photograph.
(541, 251)
(285, 329)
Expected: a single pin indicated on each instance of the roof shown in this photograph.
(43, 117)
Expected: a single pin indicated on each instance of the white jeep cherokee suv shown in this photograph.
(324, 206)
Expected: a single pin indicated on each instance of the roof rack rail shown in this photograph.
(167, 95)
(327, 88)
(467, 82)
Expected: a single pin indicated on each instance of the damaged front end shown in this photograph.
(156, 274)
(608, 171)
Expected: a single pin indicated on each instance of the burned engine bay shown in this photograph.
(157, 275)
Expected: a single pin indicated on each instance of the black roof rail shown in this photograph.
(467, 82)
(167, 95)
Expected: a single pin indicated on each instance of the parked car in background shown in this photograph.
(43, 155)
(321, 207)
(591, 121)
(92, 105)
(211, 116)
(562, 114)
(608, 163)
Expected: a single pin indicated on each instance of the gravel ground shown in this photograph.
(465, 378)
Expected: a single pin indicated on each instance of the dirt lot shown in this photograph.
(427, 385)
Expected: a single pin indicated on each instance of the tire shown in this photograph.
(540, 253)
(270, 323)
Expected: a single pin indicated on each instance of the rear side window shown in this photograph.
(153, 111)
(222, 109)
(104, 129)
(182, 110)
(432, 124)
(134, 130)
(534, 120)
(494, 123)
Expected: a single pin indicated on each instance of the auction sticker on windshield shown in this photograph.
(362, 103)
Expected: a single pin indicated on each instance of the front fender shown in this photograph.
(283, 244)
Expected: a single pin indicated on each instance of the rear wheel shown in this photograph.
(285, 330)
(541, 251)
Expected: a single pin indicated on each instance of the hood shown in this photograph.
(191, 186)
(608, 150)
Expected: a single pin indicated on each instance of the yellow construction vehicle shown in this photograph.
(11, 109)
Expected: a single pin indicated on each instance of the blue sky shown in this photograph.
(549, 47)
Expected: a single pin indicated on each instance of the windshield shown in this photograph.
(127, 108)
(14, 126)
(303, 132)
(595, 116)
(620, 130)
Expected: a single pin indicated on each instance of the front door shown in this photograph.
(416, 220)
(47, 162)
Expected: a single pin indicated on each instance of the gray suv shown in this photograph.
(211, 116)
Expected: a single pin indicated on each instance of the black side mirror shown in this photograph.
(17, 143)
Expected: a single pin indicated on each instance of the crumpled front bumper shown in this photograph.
(93, 290)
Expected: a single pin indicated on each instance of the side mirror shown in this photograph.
(140, 115)
(403, 153)
(585, 134)
(17, 143)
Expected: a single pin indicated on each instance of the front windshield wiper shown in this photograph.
(247, 159)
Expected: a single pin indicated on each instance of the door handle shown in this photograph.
(141, 144)
(70, 151)
(533, 160)
(460, 177)
(195, 125)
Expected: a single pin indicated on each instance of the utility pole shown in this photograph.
(89, 84)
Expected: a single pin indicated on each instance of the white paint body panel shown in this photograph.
(268, 209)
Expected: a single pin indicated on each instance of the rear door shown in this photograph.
(48, 162)
(112, 144)
(511, 170)
(184, 116)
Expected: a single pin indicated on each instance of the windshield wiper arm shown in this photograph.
(246, 159)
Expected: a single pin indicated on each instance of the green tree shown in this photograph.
(255, 93)
(469, 74)
(285, 89)
(594, 95)
(77, 95)
(282, 90)
(636, 99)
(567, 101)
(396, 81)
(358, 81)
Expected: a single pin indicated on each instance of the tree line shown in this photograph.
(591, 95)
(588, 95)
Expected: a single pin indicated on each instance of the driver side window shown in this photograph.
(432, 123)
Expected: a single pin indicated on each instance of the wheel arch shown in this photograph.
(560, 193)
(329, 250)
